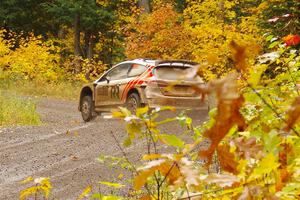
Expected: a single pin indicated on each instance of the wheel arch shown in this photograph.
(133, 90)
(138, 91)
(85, 91)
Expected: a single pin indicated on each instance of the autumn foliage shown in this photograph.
(250, 146)
(254, 145)
(201, 33)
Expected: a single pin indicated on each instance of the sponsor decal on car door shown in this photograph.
(101, 97)
(115, 90)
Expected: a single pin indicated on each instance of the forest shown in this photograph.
(248, 53)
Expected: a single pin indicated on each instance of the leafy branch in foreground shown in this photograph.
(258, 154)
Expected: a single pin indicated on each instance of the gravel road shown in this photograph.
(65, 149)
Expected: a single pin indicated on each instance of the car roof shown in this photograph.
(140, 61)
(145, 61)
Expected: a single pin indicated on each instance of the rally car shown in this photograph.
(142, 82)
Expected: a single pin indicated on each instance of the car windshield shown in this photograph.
(119, 72)
(136, 69)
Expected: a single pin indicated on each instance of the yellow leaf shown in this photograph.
(85, 192)
(27, 192)
(115, 185)
(118, 114)
(265, 166)
(29, 179)
(120, 176)
(46, 186)
(151, 156)
(212, 58)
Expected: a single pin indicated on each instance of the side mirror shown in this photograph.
(107, 80)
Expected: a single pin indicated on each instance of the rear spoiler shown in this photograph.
(175, 62)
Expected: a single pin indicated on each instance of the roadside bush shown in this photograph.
(30, 59)
(32, 66)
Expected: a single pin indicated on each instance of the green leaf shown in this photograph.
(273, 44)
(171, 108)
(125, 111)
(97, 196)
(127, 142)
(269, 37)
(265, 166)
(212, 113)
(256, 74)
(188, 122)
(133, 129)
(115, 185)
(167, 120)
(171, 140)
(271, 141)
(101, 158)
(290, 191)
(141, 111)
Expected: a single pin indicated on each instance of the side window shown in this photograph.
(136, 70)
(119, 72)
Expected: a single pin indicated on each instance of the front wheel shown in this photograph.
(87, 108)
(133, 102)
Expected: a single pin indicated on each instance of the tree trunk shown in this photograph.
(89, 42)
(90, 50)
(87, 36)
(221, 15)
(61, 33)
(144, 5)
(77, 35)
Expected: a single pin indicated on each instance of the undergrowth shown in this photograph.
(17, 111)
(62, 89)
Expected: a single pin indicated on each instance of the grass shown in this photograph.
(61, 90)
(17, 111)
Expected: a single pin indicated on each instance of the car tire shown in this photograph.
(133, 102)
(87, 108)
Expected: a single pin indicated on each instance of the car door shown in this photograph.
(108, 87)
(101, 92)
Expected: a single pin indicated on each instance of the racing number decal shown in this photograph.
(114, 92)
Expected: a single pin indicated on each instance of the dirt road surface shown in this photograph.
(65, 149)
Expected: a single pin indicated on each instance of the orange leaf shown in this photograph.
(284, 175)
(228, 115)
(248, 148)
(293, 114)
(146, 197)
(170, 170)
(166, 168)
(141, 179)
(239, 55)
(226, 159)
